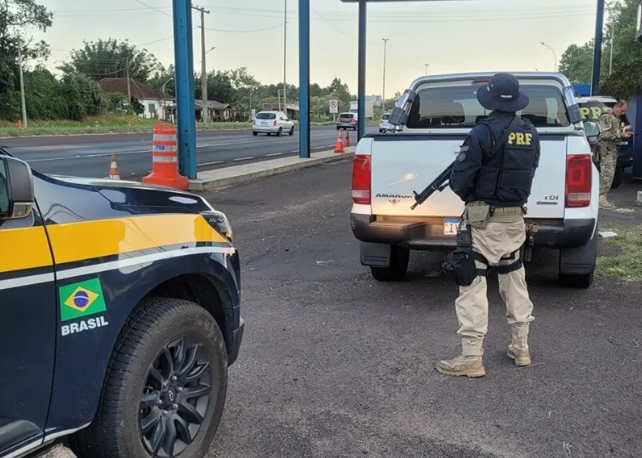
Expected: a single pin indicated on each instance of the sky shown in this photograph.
(449, 36)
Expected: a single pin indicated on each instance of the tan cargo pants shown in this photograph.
(502, 235)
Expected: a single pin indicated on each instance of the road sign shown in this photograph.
(334, 106)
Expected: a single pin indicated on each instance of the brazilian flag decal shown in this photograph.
(81, 299)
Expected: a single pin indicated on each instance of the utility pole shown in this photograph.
(285, 46)
(597, 50)
(426, 69)
(204, 110)
(383, 96)
(554, 54)
(129, 89)
(612, 17)
(22, 87)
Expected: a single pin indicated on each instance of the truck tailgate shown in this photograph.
(404, 164)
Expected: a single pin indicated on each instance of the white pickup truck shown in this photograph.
(388, 167)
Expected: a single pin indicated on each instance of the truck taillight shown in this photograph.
(361, 180)
(579, 171)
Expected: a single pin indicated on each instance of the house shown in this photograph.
(216, 111)
(291, 111)
(154, 100)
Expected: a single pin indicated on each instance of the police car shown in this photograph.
(591, 108)
(387, 168)
(120, 315)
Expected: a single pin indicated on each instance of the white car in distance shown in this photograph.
(383, 123)
(272, 122)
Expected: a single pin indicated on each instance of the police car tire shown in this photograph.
(154, 323)
(399, 259)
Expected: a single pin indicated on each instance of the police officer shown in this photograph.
(608, 144)
(493, 175)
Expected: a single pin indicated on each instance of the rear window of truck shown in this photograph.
(457, 107)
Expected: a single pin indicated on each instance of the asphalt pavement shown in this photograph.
(335, 364)
(88, 155)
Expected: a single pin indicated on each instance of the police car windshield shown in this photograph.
(457, 107)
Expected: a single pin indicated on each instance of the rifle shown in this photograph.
(438, 184)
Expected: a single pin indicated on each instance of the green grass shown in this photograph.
(109, 124)
(627, 265)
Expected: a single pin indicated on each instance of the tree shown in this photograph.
(111, 59)
(163, 76)
(577, 63)
(626, 78)
(18, 16)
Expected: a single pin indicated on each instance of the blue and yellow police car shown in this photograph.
(119, 316)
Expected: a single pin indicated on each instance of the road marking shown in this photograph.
(210, 163)
(244, 158)
(274, 154)
(83, 156)
(295, 151)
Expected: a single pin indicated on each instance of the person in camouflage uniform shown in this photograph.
(608, 145)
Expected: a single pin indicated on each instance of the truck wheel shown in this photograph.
(165, 386)
(617, 178)
(399, 258)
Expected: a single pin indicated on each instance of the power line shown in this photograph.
(244, 31)
(153, 8)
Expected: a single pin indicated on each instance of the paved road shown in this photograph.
(335, 364)
(88, 155)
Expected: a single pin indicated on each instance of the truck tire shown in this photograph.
(167, 379)
(399, 258)
(618, 178)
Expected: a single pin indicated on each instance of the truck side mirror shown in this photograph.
(592, 130)
(16, 188)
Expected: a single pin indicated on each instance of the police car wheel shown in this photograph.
(172, 352)
(399, 258)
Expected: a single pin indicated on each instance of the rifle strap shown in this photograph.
(504, 138)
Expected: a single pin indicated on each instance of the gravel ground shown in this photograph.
(335, 364)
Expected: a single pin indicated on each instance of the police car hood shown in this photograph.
(140, 194)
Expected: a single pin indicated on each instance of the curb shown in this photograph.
(200, 185)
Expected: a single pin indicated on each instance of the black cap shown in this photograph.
(502, 93)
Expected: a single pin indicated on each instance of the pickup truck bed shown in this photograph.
(389, 167)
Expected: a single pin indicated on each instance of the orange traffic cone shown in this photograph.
(347, 139)
(113, 169)
(20, 124)
(339, 147)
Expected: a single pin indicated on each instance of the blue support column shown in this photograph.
(304, 78)
(185, 108)
(361, 77)
(597, 51)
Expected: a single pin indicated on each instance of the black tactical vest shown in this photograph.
(505, 179)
